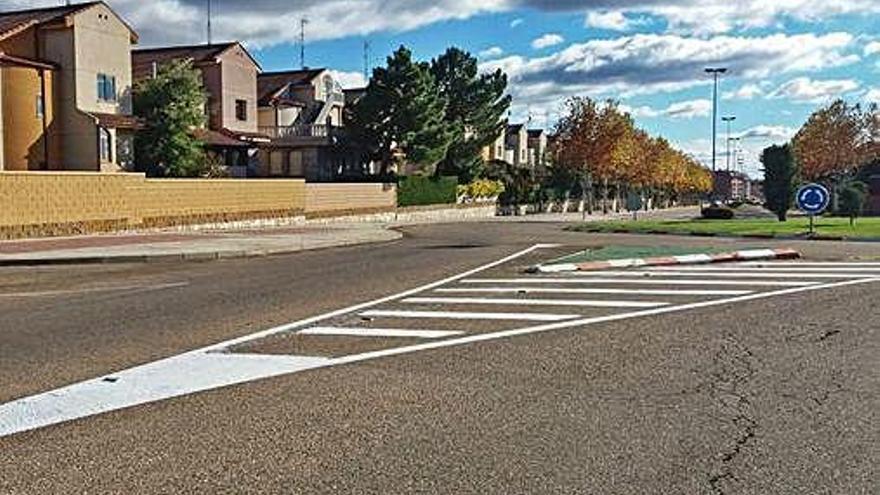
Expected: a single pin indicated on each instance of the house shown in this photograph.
(302, 113)
(517, 145)
(537, 148)
(732, 186)
(65, 89)
(229, 74)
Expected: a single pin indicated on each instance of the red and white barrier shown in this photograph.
(688, 259)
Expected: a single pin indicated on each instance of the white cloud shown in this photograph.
(517, 22)
(768, 132)
(718, 16)
(806, 90)
(271, 22)
(611, 20)
(680, 110)
(349, 80)
(689, 109)
(745, 92)
(872, 48)
(652, 63)
(873, 95)
(492, 52)
(548, 40)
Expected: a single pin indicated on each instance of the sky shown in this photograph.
(785, 57)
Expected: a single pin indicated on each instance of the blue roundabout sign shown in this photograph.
(813, 199)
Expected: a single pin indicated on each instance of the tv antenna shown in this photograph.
(209, 22)
(367, 60)
(303, 22)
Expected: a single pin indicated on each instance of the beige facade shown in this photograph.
(50, 77)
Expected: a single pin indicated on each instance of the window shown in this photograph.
(104, 145)
(106, 88)
(40, 111)
(241, 110)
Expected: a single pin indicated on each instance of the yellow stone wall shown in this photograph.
(343, 199)
(53, 203)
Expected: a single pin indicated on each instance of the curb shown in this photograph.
(193, 256)
(689, 259)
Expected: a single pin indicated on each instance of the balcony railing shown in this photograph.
(293, 132)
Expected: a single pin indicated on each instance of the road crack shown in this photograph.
(733, 368)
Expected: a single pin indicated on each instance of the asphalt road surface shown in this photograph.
(435, 365)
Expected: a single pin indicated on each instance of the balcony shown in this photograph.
(316, 135)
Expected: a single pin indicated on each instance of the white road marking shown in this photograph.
(378, 332)
(645, 281)
(535, 302)
(465, 315)
(206, 369)
(774, 264)
(90, 290)
(470, 339)
(173, 377)
(681, 273)
(781, 269)
(568, 290)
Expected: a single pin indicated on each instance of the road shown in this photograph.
(682, 382)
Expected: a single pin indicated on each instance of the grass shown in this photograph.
(832, 227)
(626, 252)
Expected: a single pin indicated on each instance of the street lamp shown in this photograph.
(715, 72)
(728, 120)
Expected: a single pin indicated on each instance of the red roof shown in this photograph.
(14, 22)
(270, 84)
(142, 59)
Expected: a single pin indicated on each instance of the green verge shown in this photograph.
(626, 252)
(829, 227)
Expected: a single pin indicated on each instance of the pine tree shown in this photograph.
(476, 104)
(402, 114)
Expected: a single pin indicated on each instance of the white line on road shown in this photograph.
(465, 315)
(646, 281)
(568, 290)
(680, 273)
(378, 332)
(535, 302)
(846, 271)
(91, 290)
(775, 264)
(205, 369)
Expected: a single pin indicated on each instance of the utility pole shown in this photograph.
(728, 120)
(209, 22)
(302, 42)
(715, 72)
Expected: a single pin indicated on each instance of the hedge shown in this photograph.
(420, 191)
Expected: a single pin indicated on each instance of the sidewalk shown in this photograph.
(176, 246)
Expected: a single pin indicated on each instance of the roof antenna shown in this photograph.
(366, 60)
(209, 22)
(302, 42)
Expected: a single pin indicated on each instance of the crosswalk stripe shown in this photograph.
(810, 263)
(535, 302)
(378, 332)
(568, 290)
(644, 281)
(782, 269)
(464, 315)
(740, 274)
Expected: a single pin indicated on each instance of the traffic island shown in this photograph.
(686, 259)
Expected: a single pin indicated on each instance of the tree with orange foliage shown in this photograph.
(836, 141)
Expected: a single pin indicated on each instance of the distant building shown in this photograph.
(65, 89)
(518, 146)
(537, 148)
(732, 186)
(229, 74)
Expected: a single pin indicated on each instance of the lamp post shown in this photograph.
(716, 73)
(728, 120)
